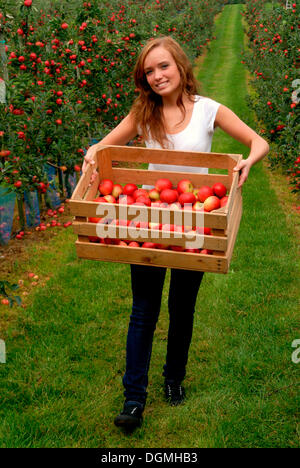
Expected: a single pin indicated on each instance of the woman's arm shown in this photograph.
(121, 135)
(235, 127)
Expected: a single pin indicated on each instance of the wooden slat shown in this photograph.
(232, 192)
(182, 158)
(233, 233)
(161, 215)
(93, 189)
(84, 181)
(235, 209)
(154, 257)
(104, 163)
(147, 177)
(143, 235)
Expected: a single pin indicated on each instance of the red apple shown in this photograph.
(186, 197)
(162, 184)
(95, 220)
(192, 250)
(121, 242)
(129, 189)
(155, 204)
(206, 251)
(153, 195)
(117, 190)
(175, 206)
(106, 186)
(133, 244)
(185, 186)
(162, 246)
(177, 248)
(223, 201)
(198, 206)
(219, 189)
(143, 200)
(203, 230)
(100, 200)
(140, 192)
(126, 200)
(149, 245)
(110, 199)
(94, 239)
(211, 203)
(168, 196)
(204, 192)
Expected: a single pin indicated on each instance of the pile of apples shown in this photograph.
(163, 195)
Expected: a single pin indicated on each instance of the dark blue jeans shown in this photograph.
(147, 285)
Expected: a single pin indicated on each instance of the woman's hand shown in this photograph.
(89, 159)
(244, 167)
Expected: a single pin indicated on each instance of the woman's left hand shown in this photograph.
(244, 166)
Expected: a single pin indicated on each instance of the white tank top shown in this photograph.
(197, 136)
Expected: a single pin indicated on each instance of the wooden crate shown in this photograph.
(224, 222)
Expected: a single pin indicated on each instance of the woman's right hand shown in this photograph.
(89, 158)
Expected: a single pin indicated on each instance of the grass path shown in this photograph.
(62, 383)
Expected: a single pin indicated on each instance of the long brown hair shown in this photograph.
(147, 108)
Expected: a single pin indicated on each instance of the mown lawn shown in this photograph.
(62, 383)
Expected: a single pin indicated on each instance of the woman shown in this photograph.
(169, 113)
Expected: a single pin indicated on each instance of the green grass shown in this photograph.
(62, 383)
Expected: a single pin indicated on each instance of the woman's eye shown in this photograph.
(148, 72)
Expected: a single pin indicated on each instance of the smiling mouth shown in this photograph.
(162, 85)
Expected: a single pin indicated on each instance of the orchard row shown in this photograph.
(68, 75)
(274, 60)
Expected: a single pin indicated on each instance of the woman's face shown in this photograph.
(162, 72)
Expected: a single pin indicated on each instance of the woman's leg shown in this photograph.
(183, 292)
(147, 285)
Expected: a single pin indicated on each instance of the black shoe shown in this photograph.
(131, 416)
(174, 392)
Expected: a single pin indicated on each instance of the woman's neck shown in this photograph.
(170, 102)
